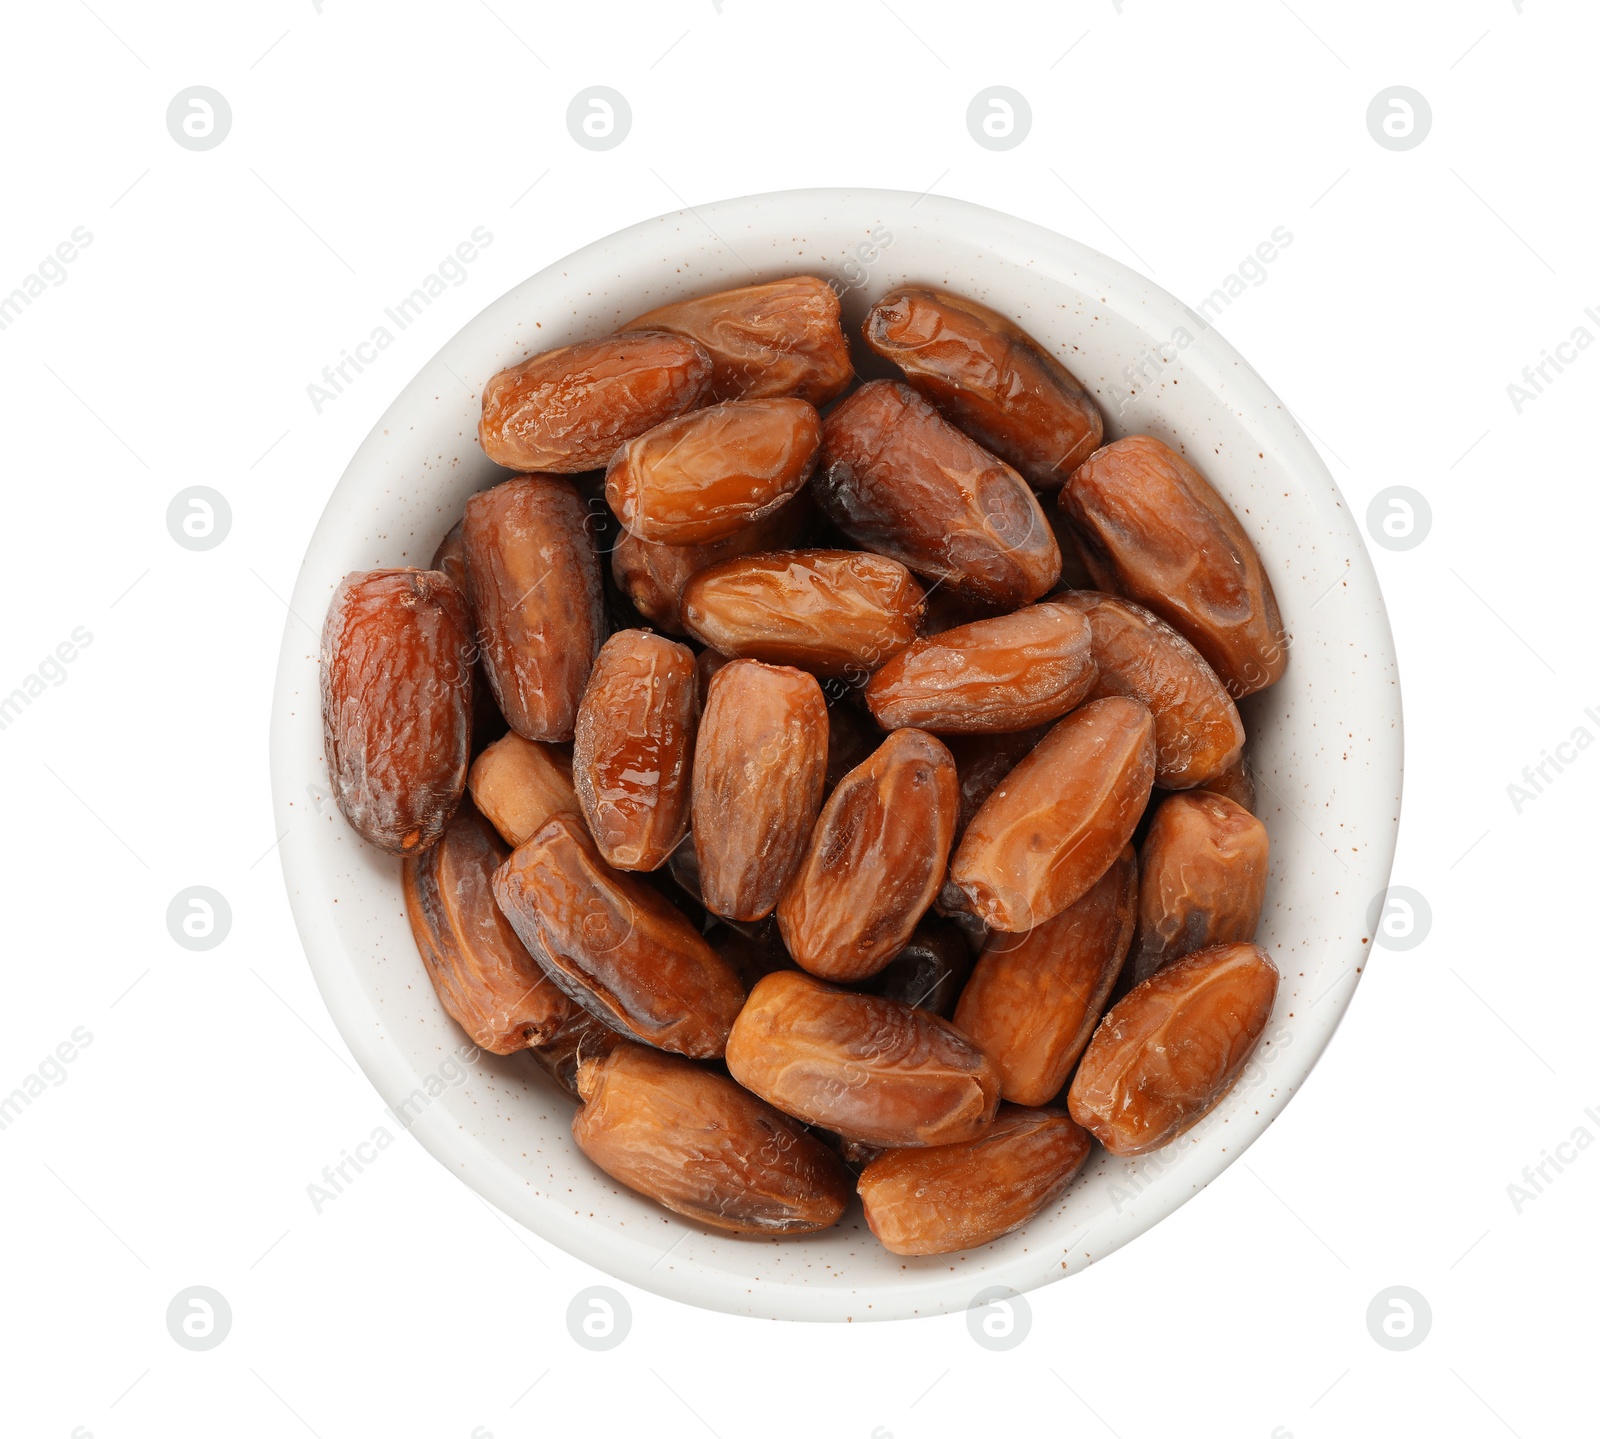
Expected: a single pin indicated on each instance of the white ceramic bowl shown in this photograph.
(1326, 741)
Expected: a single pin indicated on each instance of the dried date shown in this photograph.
(697, 1143)
(568, 410)
(986, 374)
(758, 778)
(534, 583)
(396, 681)
(615, 946)
(633, 752)
(875, 860)
(1171, 1049)
(519, 783)
(869, 1069)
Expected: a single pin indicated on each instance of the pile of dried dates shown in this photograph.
(857, 793)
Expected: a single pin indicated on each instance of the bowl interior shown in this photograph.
(1325, 742)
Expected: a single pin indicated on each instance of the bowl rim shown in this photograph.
(1230, 379)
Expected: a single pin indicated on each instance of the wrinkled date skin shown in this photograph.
(534, 583)
(484, 976)
(900, 480)
(782, 338)
(633, 753)
(930, 971)
(488, 724)
(581, 1037)
(697, 1143)
(758, 776)
(615, 946)
(1235, 783)
(875, 860)
(397, 657)
(958, 1196)
(832, 612)
(982, 761)
(1172, 1048)
(1056, 822)
(653, 576)
(1156, 532)
(1034, 999)
(990, 377)
(1202, 879)
(704, 476)
(1198, 730)
(869, 1069)
(569, 410)
(992, 676)
(519, 783)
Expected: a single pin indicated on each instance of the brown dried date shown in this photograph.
(991, 676)
(704, 476)
(1170, 1050)
(697, 1143)
(758, 776)
(1202, 879)
(633, 751)
(781, 338)
(870, 1069)
(900, 480)
(1198, 730)
(930, 971)
(874, 861)
(614, 945)
(1155, 531)
(832, 612)
(653, 575)
(534, 583)
(1034, 999)
(519, 783)
(396, 681)
(484, 976)
(958, 1196)
(488, 724)
(568, 410)
(990, 377)
(1056, 822)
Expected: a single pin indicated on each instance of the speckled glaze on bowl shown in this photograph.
(1325, 742)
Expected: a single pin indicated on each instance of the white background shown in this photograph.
(367, 140)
